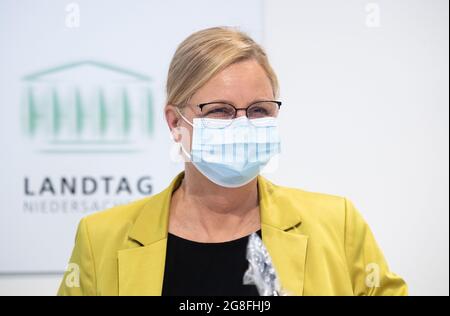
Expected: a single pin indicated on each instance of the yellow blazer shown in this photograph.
(319, 244)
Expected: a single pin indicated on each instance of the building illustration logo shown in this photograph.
(87, 106)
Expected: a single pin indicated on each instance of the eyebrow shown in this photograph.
(232, 103)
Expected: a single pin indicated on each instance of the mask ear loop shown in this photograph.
(181, 144)
(184, 118)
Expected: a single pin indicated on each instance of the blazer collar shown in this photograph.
(152, 223)
(141, 269)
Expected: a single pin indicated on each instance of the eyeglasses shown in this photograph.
(221, 114)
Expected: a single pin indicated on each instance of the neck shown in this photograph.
(209, 212)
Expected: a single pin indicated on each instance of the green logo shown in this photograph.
(87, 106)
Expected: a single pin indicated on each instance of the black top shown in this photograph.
(203, 269)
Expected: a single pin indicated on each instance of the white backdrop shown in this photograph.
(365, 83)
(370, 109)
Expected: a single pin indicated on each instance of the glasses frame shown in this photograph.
(201, 105)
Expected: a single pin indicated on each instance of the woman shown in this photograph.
(191, 238)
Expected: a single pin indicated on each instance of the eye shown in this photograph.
(218, 110)
(258, 111)
(263, 109)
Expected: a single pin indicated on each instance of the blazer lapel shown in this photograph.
(288, 253)
(141, 266)
(141, 270)
(280, 222)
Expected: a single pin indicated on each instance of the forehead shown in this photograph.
(240, 82)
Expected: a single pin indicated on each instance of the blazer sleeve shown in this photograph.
(369, 272)
(79, 277)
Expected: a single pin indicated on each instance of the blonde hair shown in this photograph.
(205, 53)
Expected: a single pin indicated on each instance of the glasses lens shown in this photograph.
(263, 109)
(221, 111)
(217, 115)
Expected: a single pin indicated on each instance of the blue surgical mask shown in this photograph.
(233, 154)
